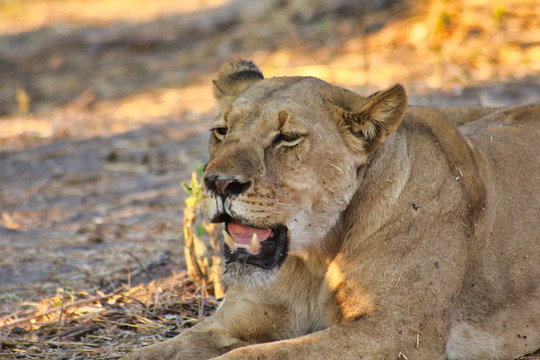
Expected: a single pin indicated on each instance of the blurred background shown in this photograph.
(104, 110)
(147, 59)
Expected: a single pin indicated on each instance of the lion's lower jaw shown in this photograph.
(249, 275)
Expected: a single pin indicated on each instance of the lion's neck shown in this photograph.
(417, 166)
(382, 181)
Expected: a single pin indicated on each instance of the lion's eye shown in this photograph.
(220, 132)
(288, 139)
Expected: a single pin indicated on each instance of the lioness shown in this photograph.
(362, 228)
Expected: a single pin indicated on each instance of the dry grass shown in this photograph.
(93, 325)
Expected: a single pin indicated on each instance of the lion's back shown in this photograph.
(509, 143)
(508, 156)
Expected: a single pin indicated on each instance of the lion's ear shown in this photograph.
(377, 118)
(233, 78)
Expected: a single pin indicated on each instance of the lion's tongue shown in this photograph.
(243, 234)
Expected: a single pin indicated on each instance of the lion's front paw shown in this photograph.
(267, 351)
(161, 351)
(141, 354)
(237, 354)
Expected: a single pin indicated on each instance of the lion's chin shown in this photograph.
(249, 275)
(253, 255)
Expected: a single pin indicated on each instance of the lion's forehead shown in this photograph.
(253, 116)
(256, 110)
(275, 92)
(303, 88)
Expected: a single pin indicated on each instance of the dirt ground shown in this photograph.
(104, 111)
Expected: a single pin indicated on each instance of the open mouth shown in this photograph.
(266, 248)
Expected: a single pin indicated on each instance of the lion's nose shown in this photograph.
(225, 186)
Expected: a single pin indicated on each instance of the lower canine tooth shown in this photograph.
(228, 240)
(255, 244)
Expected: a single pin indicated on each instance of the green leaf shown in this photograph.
(199, 169)
(187, 188)
(200, 230)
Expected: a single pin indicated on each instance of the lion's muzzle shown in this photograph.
(225, 186)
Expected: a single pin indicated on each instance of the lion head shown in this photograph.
(286, 158)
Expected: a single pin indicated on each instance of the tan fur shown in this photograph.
(418, 241)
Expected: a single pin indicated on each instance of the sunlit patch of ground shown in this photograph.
(25, 15)
(111, 117)
(164, 102)
(436, 44)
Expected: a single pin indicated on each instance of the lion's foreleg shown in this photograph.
(358, 339)
(203, 341)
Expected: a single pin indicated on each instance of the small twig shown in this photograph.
(201, 303)
(133, 299)
(59, 328)
(156, 299)
(129, 277)
(78, 332)
(53, 343)
(67, 343)
(49, 278)
(143, 268)
(338, 169)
